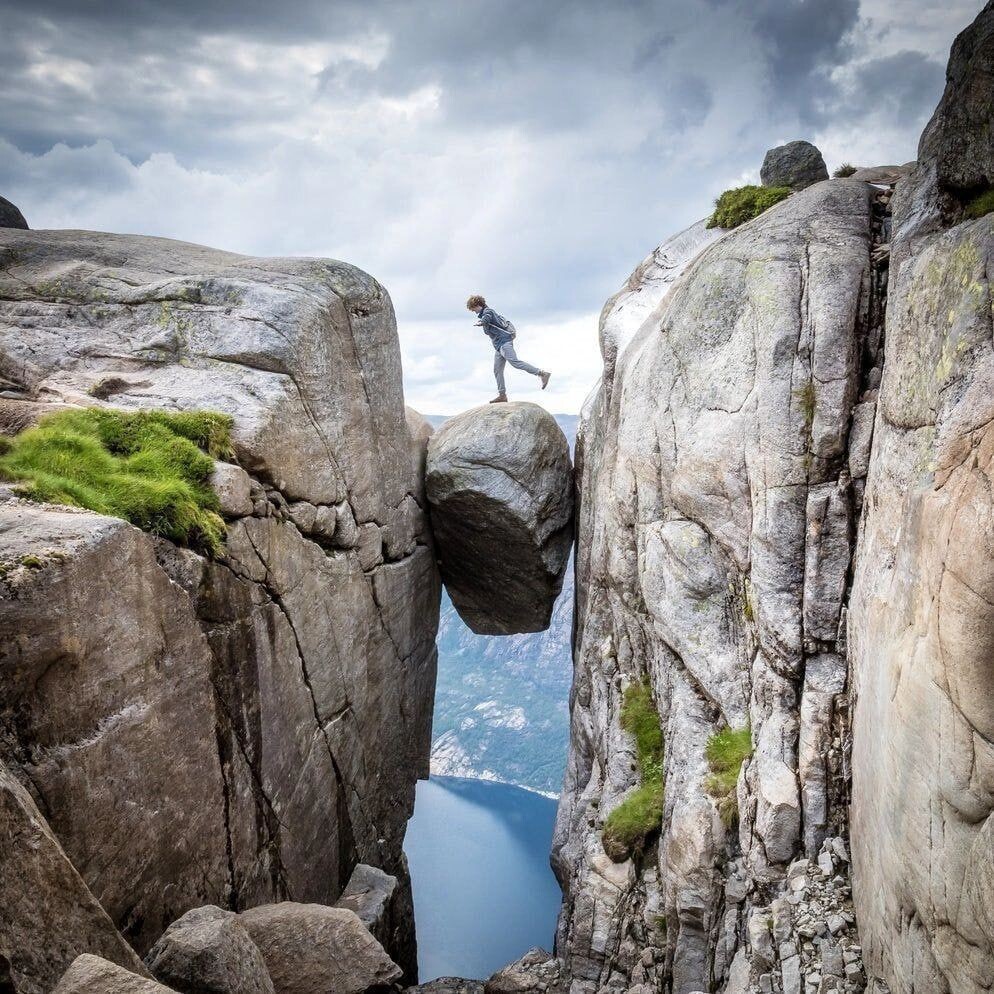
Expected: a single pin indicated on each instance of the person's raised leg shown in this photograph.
(507, 351)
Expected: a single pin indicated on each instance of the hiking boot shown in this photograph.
(501, 398)
(545, 377)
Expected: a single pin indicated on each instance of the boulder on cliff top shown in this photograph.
(10, 215)
(500, 488)
(48, 916)
(208, 951)
(93, 975)
(311, 947)
(797, 164)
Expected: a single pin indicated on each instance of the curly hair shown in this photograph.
(475, 301)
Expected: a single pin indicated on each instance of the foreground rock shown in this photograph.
(208, 951)
(922, 621)
(714, 544)
(10, 216)
(500, 487)
(537, 972)
(244, 730)
(309, 947)
(48, 916)
(93, 975)
(797, 164)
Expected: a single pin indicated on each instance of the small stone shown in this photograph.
(303, 515)
(325, 521)
(233, 488)
(825, 864)
(836, 924)
(790, 975)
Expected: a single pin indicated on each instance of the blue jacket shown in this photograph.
(491, 325)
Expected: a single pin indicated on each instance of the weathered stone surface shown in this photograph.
(10, 216)
(48, 916)
(309, 947)
(449, 985)
(797, 164)
(234, 489)
(242, 730)
(93, 975)
(208, 951)
(370, 893)
(883, 175)
(500, 486)
(714, 487)
(537, 972)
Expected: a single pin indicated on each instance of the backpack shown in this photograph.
(508, 326)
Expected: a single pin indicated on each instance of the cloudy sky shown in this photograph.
(531, 150)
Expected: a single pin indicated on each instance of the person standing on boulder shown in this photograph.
(501, 332)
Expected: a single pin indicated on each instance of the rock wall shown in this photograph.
(229, 731)
(716, 501)
(922, 622)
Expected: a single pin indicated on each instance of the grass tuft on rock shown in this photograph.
(735, 207)
(726, 751)
(632, 823)
(846, 169)
(151, 468)
(981, 205)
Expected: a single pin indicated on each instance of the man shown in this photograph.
(501, 333)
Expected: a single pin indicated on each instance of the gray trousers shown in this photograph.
(506, 354)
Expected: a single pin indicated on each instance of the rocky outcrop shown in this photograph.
(48, 916)
(208, 951)
(715, 531)
(922, 623)
(90, 974)
(245, 729)
(10, 216)
(309, 947)
(797, 164)
(500, 488)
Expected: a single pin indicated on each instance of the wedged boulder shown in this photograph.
(797, 164)
(209, 951)
(311, 947)
(500, 488)
(48, 916)
(10, 215)
(93, 975)
(449, 985)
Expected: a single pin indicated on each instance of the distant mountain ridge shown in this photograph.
(502, 702)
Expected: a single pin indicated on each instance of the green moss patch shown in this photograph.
(151, 468)
(630, 826)
(735, 207)
(981, 205)
(726, 751)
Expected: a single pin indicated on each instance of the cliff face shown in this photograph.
(785, 526)
(228, 731)
(716, 500)
(922, 625)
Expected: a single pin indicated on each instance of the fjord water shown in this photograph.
(483, 890)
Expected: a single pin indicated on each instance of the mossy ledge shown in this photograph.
(735, 207)
(151, 468)
(726, 751)
(632, 824)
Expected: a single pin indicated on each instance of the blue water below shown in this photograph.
(483, 890)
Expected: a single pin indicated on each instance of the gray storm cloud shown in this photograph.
(532, 151)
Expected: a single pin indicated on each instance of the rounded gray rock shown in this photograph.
(208, 951)
(500, 489)
(10, 215)
(797, 164)
(311, 947)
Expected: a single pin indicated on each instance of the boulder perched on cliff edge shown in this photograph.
(10, 215)
(310, 947)
(208, 951)
(797, 164)
(500, 488)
